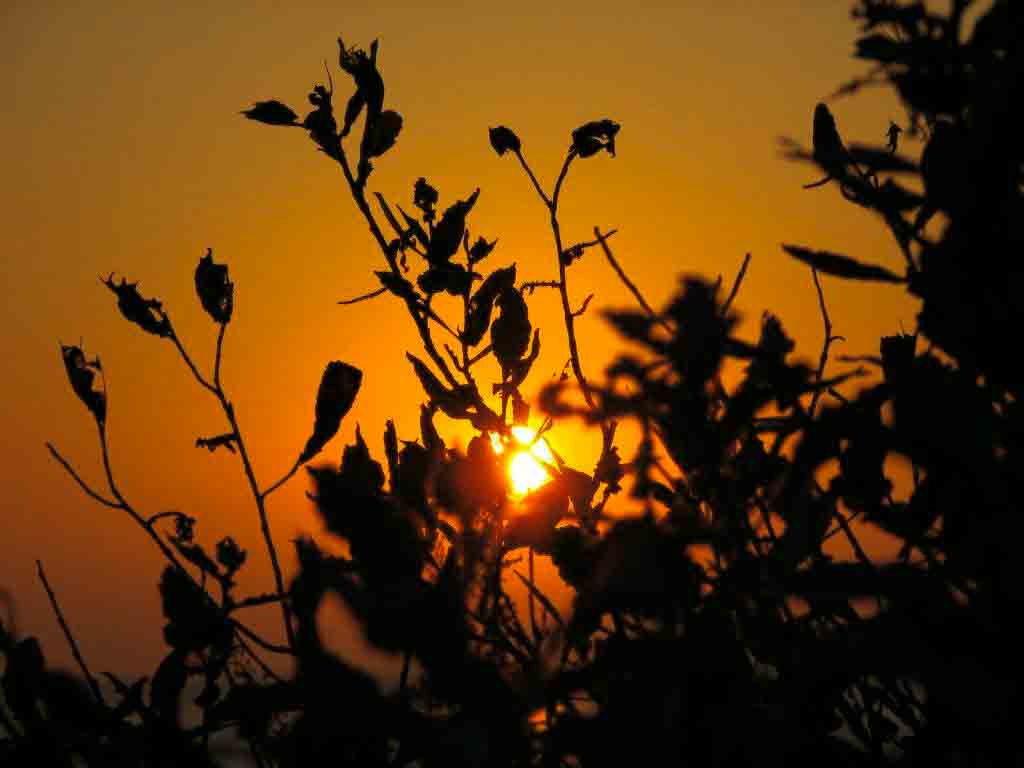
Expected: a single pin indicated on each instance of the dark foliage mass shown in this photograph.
(708, 627)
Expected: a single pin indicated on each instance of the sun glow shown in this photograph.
(526, 463)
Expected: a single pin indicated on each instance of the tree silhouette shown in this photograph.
(707, 626)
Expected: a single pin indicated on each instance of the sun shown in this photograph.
(526, 464)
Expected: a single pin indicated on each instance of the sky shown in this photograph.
(123, 151)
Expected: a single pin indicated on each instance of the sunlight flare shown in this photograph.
(526, 468)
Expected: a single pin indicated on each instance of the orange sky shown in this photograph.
(123, 150)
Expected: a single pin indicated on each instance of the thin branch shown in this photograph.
(736, 284)
(602, 240)
(81, 483)
(188, 360)
(364, 297)
(93, 685)
(287, 476)
(536, 184)
(829, 338)
(282, 649)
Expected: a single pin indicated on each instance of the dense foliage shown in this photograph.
(707, 626)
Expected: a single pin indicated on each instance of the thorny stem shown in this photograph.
(93, 685)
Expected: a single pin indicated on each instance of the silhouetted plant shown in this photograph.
(708, 629)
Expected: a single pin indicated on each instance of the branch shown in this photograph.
(602, 240)
(364, 297)
(82, 484)
(93, 685)
(736, 284)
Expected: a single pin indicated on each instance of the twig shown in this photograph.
(829, 338)
(284, 650)
(287, 476)
(364, 297)
(736, 284)
(82, 484)
(93, 685)
(536, 184)
(602, 240)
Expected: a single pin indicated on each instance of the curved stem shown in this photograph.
(563, 288)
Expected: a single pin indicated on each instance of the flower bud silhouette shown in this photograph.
(216, 292)
(146, 313)
(590, 138)
(504, 140)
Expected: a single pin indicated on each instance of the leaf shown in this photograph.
(479, 315)
(842, 266)
(449, 230)
(271, 112)
(338, 388)
(435, 390)
(416, 228)
(384, 133)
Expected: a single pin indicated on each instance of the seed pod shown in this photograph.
(590, 138)
(82, 373)
(216, 292)
(338, 388)
(829, 151)
(510, 333)
(424, 197)
(504, 140)
(146, 313)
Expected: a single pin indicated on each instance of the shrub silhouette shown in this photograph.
(707, 627)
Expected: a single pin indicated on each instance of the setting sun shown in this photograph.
(526, 464)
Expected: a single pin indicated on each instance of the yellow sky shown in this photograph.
(123, 150)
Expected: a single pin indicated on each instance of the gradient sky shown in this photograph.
(123, 150)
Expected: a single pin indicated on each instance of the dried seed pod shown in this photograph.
(215, 290)
(146, 313)
(338, 388)
(510, 332)
(590, 138)
(504, 140)
(425, 198)
(82, 374)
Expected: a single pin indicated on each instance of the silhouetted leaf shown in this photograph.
(338, 388)
(447, 235)
(271, 112)
(384, 133)
(479, 314)
(842, 266)
(424, 197)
